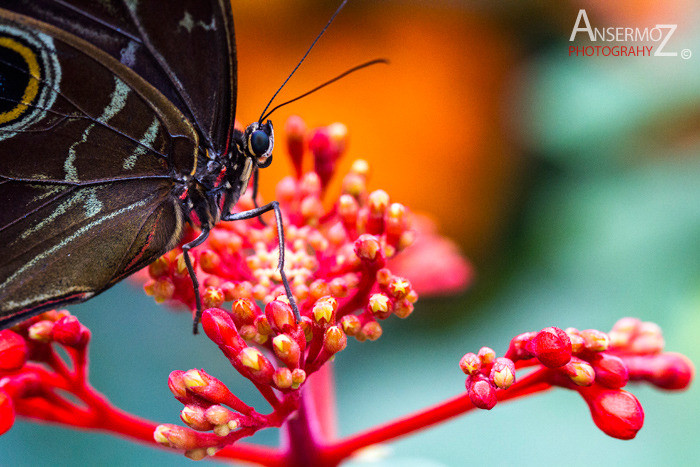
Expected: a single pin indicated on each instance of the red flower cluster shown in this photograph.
(335, 259)
(590, 362)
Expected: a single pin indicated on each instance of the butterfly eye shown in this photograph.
(259, 142)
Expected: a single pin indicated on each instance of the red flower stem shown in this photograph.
(335, 452)
(103, 416)
(57, 364)
(268, 394)
(315, 348)
(302, 441)
(321, 393)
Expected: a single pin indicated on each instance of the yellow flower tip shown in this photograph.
(160, 435)
(181, 265)
(367, 247)
(250, 358)
(582, 373)
(282, 344)
(354, 185)
(504, 378)
(282, 378)
(193, 378)
(41, 331)
(222, 430)
(159, 267)
(196, 454)
(213, 297)
(378, 201)
(379, 303)
(351, 324)
(487, 355)
(298, 377)
(338, 132)
(595, 340)
(396, 211)
(187, 414)
(334, 340)
(360, 167)
(470, 363)
(324, 308)
(399, 287)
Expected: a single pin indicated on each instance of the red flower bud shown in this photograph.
(209, 261)
(399, 287)
(13, 351)
(610, 371)
(286, 349)
(594, 340)
(295, 130)
(367, 248)
(244, 311)
(551, 346)
(176, 384)
(668, 370)
(481, 392)
(615, 411)
(324, 310)
(518, 346)
(298, 377)
(7, 412)
(259, 367)
(175, 437)
(219, 327)
(68, 331)
(580, 372)
(213, 297)
(372, 330)
(351, 324)
(207, 387)
(282, 378)
(194, 417)
(487, 356)
(503, 373)
(334, 340)
(327, 144)
(470, 363)
(280, 315)
(159, 267)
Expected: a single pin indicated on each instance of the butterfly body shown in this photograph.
(116, 129)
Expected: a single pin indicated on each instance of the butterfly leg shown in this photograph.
(280, 238)
(256, 178)
(195, 283)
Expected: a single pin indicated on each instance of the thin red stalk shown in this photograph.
(321, 393)
(422, 419)
(57, 364)
(104, 416)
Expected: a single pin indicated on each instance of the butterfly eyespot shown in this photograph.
(259, 142)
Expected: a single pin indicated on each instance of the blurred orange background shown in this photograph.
(429, 123)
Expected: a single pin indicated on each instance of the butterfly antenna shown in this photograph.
(303, 58)
(320, 86)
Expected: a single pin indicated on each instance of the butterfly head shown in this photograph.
(259, 140)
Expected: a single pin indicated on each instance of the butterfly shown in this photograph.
(116, 130)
